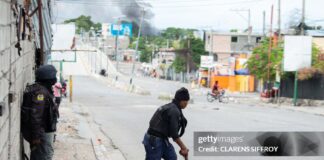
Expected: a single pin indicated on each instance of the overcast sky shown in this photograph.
(217, 14)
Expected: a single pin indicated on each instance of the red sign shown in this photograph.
(321, 57)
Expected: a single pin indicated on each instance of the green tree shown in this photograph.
(160, 42)
(144, 49)
(97, 26)
(175, 34)
(234, 30)
(316, 62)
(84, 23)
(179, 64)
(197, 48)
(178, 39)
(145, 55)
(258, 63)
(317, 66)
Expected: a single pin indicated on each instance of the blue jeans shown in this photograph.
(45, 150)
(158, 148)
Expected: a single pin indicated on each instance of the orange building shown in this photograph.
(234, 83)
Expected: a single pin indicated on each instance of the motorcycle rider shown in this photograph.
(215, 89)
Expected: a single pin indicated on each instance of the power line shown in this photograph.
(158, 2)
(317, 20)
(78, 2)
(161, 2)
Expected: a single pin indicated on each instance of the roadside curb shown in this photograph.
(123, 86)
(103, 146)
(169, 97)
(315, 110)
(113, 83)
(250, 100)
(69, 144)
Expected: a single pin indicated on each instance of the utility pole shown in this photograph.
(279, 18)
(269, 50)
(92, 69)
(101, 57)
(278, 78)
(138, 39)
(117, 44)
(249, 22)
(107, 55)
(303, 19)
(211, 40)
(249, 28)
(95, 62)
(152, 54)
(264, 24)
(296, 73)
(188, 66)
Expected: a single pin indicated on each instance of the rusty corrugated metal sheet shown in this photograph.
(47, 22)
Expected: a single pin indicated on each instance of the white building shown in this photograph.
(106, 30)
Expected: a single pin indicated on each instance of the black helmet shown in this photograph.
(46, 72)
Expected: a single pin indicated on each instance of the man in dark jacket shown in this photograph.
(39, 114)
(166, 123)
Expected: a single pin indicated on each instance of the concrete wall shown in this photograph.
(223, 58)
(221, 44)
(15, 72)
(224, 44)
(241, 44)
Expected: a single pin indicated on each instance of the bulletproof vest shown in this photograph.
(159, 122)
(27, 108)
(183, 124)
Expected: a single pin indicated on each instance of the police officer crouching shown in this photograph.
(39, 114)
(167, 122)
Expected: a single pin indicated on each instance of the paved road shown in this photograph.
(124, 116)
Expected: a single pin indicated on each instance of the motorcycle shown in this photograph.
(221, 97)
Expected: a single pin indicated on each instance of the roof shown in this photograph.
(234, 33)
(316, 33)
(313, 33)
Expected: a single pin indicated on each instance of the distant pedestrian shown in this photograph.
(64, 88)
(57, 89)
(166, 123)
(154, 74)
(39, 114)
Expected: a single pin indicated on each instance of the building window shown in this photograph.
(234, 39)
(258, 39)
